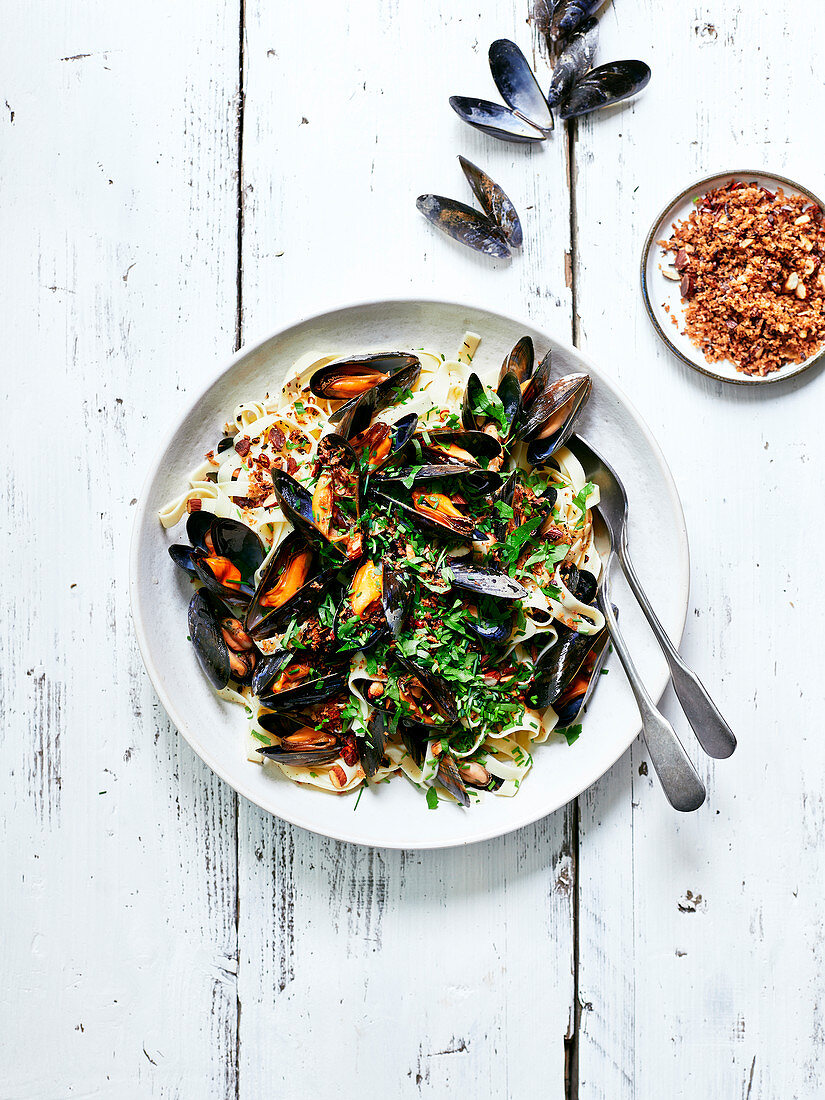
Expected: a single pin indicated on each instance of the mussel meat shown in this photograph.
(382, 444)
(290, 586)
(461, 449)
(345, 379)
(604, 86)
(375, 604)
(224, 556)
(224, 650)
(549, 421)
(286, 682)
(300, 745)
(331, 515)
(517, 84)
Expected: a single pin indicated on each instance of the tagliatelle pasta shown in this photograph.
(396, 569)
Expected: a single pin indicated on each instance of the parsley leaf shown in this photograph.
(571, 734)
(432, 798)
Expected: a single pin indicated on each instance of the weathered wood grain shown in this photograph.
(118, 949)
(700, 965)
(421, 974)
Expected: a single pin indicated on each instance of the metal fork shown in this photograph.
(712, 731)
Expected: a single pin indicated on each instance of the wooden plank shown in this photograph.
(446, 958)
(700, 964)
(119, 231)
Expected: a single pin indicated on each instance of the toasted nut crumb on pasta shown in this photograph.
(752, 276)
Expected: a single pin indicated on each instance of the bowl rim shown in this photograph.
(784, 373)
(225, 366)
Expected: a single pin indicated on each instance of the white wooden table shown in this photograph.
(177, 178)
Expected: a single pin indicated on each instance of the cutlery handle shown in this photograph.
(712, 731)
(680, 781)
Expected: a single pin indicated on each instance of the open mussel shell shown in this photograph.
(496, 120)
(551, 418)
(182, 557)
(604, 86)
(293, 682)
(519, 361)
(224, 556)
(459, 448)
(432, 511)
(229, 538)
(575, 697)
(568, 15)
(475, 401)
(300, 744)
(574, 61)
(372, 744)
(464, 224)
(436, 689)
(536, 384)
(450, 779)
(354, 416)
(382, 445)
(290, 586)
(495, 204)
(580, 583)
(483, 580)
(345, 379)
(204, 616)
(558, 664)
(490, 620)
(517, 84)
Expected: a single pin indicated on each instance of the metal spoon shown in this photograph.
(680, 781)
(712, 731)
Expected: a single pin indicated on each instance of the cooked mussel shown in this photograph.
(604, 86)
(450, 779)
(549, 421)
(519, 361)
(330, 516)
(496, 120)
(286, 682)
(345, 379)
(382, 444)
(426, 695)
(517, 85)
(372, 744)
(558, 664)
(224, 651)
(574, 61)
(496, 205)
(355, 415)
(495, 418)
(575, 697)
(375, 605)
(457, 448)
(300, 745)
(291, 586)
(432, 509)
(224, 556)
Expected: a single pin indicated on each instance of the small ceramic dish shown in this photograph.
(659, 292)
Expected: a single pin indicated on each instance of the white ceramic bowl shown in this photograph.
(395, 814)
(659, 292)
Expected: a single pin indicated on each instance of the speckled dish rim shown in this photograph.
(700, 186)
